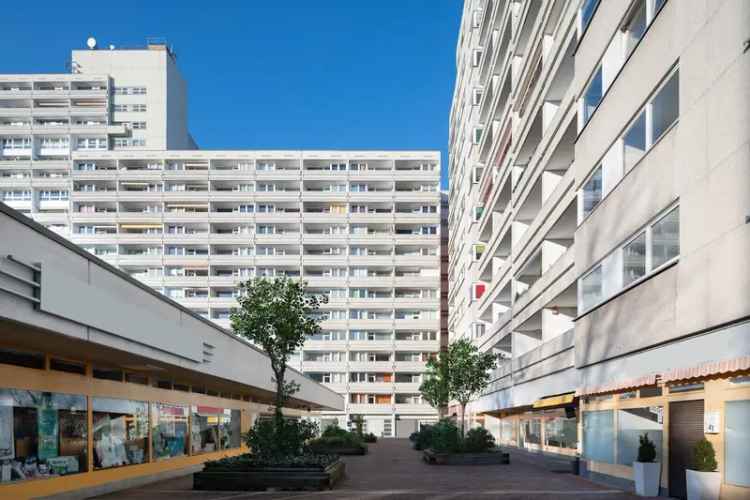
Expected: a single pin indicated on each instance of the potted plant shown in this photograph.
(646, 470)
(703, 480)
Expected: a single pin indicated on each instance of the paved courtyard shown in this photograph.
(393, 471)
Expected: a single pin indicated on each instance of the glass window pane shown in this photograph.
(633, 423)
(214, 429)
(634, 259)
(561, 432)
(635, 27)
(170, 429)
(42, 434)
(591, 288)
(592, 192)
(665, 238)
(587, 12)
(666, 106)
(531, 432)
(598, 436)
(635, 142)
(737, 442)
(120, 432)
(593, 95)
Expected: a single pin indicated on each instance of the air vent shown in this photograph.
(208, 352)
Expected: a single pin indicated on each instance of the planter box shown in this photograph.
(340, 451)
(487, 458)
(260, 479)
(647, 476)
(703, 485)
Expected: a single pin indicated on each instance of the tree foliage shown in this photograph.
(460, 373)
(278, 316)
(435, 388)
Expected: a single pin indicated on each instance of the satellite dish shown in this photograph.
(91, 42)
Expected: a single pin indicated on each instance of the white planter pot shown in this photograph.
(647, 477)
(703, 485)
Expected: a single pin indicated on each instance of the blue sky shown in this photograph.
(301, 74)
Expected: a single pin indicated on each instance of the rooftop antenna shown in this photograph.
(91, 42)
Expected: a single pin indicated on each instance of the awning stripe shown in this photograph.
(707, 369)
(618, 385)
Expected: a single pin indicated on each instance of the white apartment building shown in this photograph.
(103, 157)
(599, 203)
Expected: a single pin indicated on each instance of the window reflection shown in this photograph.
(120, 432)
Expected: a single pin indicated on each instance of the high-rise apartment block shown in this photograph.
(103, 157)
(599, 209)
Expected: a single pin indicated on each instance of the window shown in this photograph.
(634, 142)
(120, 432)
(214, 429)
(665, 107)
(585, 13)
(592, 192)
(598, 436)
(592, 96)
(531, 431)
(476, 57)
(170, 430)
(476, 136)
(634, 259)
(476, 97)
(561, 432)
(43, 434)
(633, 423)
(653, 247)
(737, 442)
(634, 26)
(591, 288)
(665, 238)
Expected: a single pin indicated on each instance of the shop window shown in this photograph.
(67, 366)
(531, 431)
(108, 374)
(20, 358)
(737, 442)
(628, 395)
(507, 434)
(42, 434)
(170, 430)
(120, 432)
(598, 436)
(215, 429)
(650, 392)
(136, 378)
(633, 423)
(561, 432)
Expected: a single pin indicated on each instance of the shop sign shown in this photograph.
(711, 422)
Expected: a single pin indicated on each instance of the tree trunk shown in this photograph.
(463, 418)
(278, 416)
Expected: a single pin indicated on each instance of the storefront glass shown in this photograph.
(632, 423)
(507, 436)
(737, 442)
(215, 429)
(170, 430)
(42, 434)
(120, 432)
(561, 432)
(531, 431)
(598, 435)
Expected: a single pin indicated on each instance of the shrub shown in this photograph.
(423, 439)
(249, 461)
(478, 440)
(267, 442)
(334, 430)
(347, 440)
(445, 437)
(704, 456)
(646, 449)
(370, 438)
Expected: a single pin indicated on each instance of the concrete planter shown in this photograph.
(497, 457)
(262, 478)
(339, 451)
(647, 477)
(703, 485)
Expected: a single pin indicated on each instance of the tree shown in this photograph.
(277, 315)
(436, 386)
(468, 371)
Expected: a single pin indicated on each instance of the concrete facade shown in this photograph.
(599, 219)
